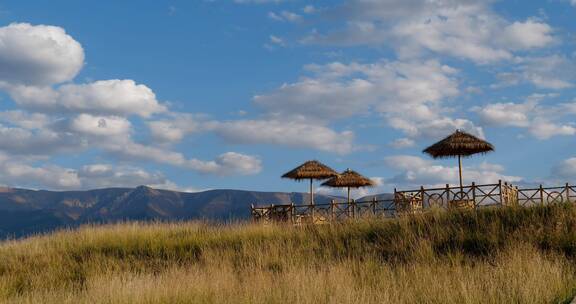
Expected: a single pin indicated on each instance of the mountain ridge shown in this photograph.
(24, 211)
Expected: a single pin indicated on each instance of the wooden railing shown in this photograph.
(406, 202)
(324, 213)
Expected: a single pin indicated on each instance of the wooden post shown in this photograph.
(332, 216)
(474, 193)
(374, 202)
(353, 209)
(312, 207)
(541, 195)
(395, 198)
(500, 186)
(567, 193)
(422, 195)
(292, 214)
(447, 195)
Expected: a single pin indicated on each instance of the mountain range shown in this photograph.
(24, 212)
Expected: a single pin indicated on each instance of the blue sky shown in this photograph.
(195, 95)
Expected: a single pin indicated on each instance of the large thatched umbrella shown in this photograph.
(459, 144)
(311, 170)
(348, 179)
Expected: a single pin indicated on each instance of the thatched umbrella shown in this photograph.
(459, 144)
(312, 170)
(348, 179)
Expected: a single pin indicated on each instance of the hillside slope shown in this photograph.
(522, 255)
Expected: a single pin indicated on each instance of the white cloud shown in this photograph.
(25, 120)
(435, 127)
(44, 142)
(544, 129)
(115, 97)
(506, 114)
(338, 90)
(23, 174)
(416, 171)
(230, 163)
(101, 125)
(565, 170)
(38, 55)
(285, 16)
(526, 35)
(533, 116)
(106, 175)
(310, 9)
(554, 72)
(463, 29)
(293, 133)
(277, 40)
(401, 143)
(16, 172)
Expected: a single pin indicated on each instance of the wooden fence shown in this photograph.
(416, 201)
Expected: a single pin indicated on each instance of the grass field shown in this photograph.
(493, 256)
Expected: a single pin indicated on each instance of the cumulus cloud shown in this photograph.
(23, 173)
(287, 133)
(19, 172)
(339, 90)
(100, 125)
(549, 72)
(463, 29)
(565, 170)
(531, 115)
(107, 175)
(416, 171)
(115, 97)
(229, 163)
(38, 55)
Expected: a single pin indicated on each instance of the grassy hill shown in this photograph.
(491, 256)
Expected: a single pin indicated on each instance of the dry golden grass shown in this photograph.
(493, 256)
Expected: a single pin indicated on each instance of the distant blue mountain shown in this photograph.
(24, 212)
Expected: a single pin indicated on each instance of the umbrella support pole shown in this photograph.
(460, 171)
(350, 212)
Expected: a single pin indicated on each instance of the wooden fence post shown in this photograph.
(292, 213)
(447, 196)
(567, 193)
(500, 186)
(474, 193)
(353, 208)
(374, 202)
(541, 195)
(332, 217)
(422, 195)
(395, 198)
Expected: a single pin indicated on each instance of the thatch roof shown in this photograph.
(348, 178)
(311, 169)
(459, 144)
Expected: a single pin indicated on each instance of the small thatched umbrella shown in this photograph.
(312, 170)
(348, 179)
(459, 144)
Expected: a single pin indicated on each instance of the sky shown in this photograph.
(195, 95)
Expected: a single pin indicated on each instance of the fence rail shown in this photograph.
(415, 201)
